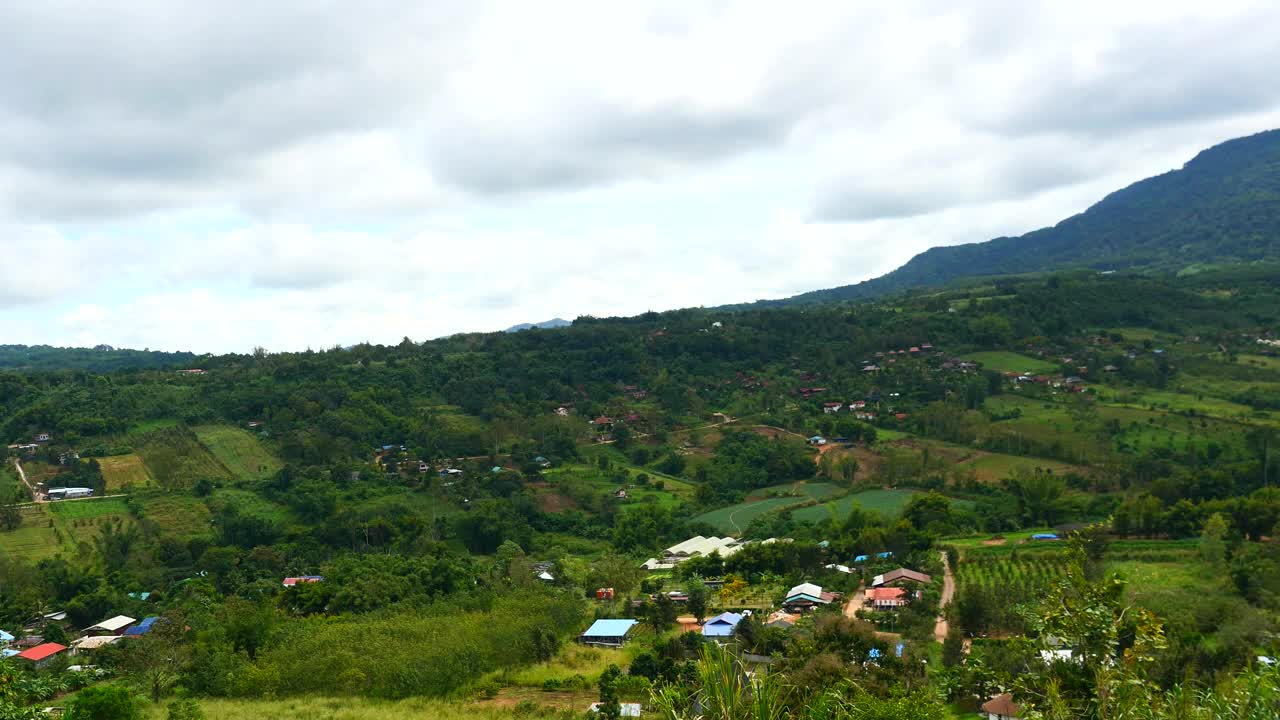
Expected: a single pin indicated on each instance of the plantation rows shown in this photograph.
(1011, 575)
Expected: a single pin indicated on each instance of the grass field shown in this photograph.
(343, 708)
(886, 502)
(992, 467)
(1001, 361)
(736, 518)
(77, 509)
(180, 515)
(35, 539)
(238, 451)
(177, 459)
(119, 471)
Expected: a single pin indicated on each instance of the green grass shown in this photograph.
(997, 466)
(150, 426)
(251, 503)
(177, 459)
(736, 518)
(238, 451)
(342, 708)
(886, 502)
(90, 508)
(1002, 361)
(119, 471)
(34, 539)
(180, 515)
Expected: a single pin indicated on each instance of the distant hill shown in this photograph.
(1221, 207)
(98, 359)
(545, 325)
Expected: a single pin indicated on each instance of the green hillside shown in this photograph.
(1222, 207)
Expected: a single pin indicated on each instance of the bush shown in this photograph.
(103, 702)
(185, 709)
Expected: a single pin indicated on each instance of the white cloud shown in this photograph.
(293, 174)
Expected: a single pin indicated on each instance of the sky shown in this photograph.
(215, 177)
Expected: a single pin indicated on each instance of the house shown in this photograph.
(832, 407)
(143, 627)
(111, 626)
(624, 709)
(807, 596)
(1001, 707)
(40, 655)
(611, 632)
(900, 577)
(886, 598)
(721, 626)
(817, 440)
(839, 568)
(301, 579)
(44, 437)
(90, 643)
(620, 493)
(604, 593)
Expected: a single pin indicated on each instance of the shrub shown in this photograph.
(103, 702)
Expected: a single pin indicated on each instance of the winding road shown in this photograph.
(22, 475)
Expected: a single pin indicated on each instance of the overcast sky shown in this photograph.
(215, 176)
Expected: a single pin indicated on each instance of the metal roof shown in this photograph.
(40, 652)
(609, 628)
(113, 624)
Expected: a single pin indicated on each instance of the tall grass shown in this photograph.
(345, 708)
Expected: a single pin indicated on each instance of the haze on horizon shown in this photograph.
(294, 175)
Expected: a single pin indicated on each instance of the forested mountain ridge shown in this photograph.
(1221, 207)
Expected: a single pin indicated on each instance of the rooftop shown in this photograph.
(118, 622)
(609, 628)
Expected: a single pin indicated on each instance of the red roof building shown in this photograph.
(889, 597)
(40, 653)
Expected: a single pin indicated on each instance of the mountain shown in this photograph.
(545, 325)
(1221, 207)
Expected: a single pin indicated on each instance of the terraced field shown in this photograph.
(736, 518)
(886, 502)
(182, 516)
(35, 539)
(177, 458)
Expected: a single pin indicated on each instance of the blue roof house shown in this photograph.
(142, 628)
(860, 558)
(612, 632)
(722, 625)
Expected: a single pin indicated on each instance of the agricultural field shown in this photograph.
(886, 502)
(89, 508)
(993, 467)
(35, 539)
(250, 503)
(120, 471)
(177, 459)
(736, 518)
(1001, 361)
(341, 708)
(182, 516)
(238, 451)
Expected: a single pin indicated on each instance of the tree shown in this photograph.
(10, 516)
(659, 614)
(1213, 546)
(609, 708)
(697, 603)
(159, 657)
(953, 648)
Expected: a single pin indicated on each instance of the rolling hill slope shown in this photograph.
(1221, 207)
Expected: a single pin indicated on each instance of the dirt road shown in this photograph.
(948, 591)
(856, 600)
(22, 475)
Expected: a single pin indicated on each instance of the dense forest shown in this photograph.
(1087, 460)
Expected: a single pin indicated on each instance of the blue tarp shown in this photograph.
(884, 555)
(143, 627)
(860, 558)
(5, 637)
(898, 650)
(874, 654)
(608, 628)
(1044, 536)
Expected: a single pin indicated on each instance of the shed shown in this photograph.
(611, 632)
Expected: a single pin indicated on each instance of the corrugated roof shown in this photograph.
(40, 652)
(814, 591)
(113, 624)
(93, 643)
(609, 628)
(721, 625)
